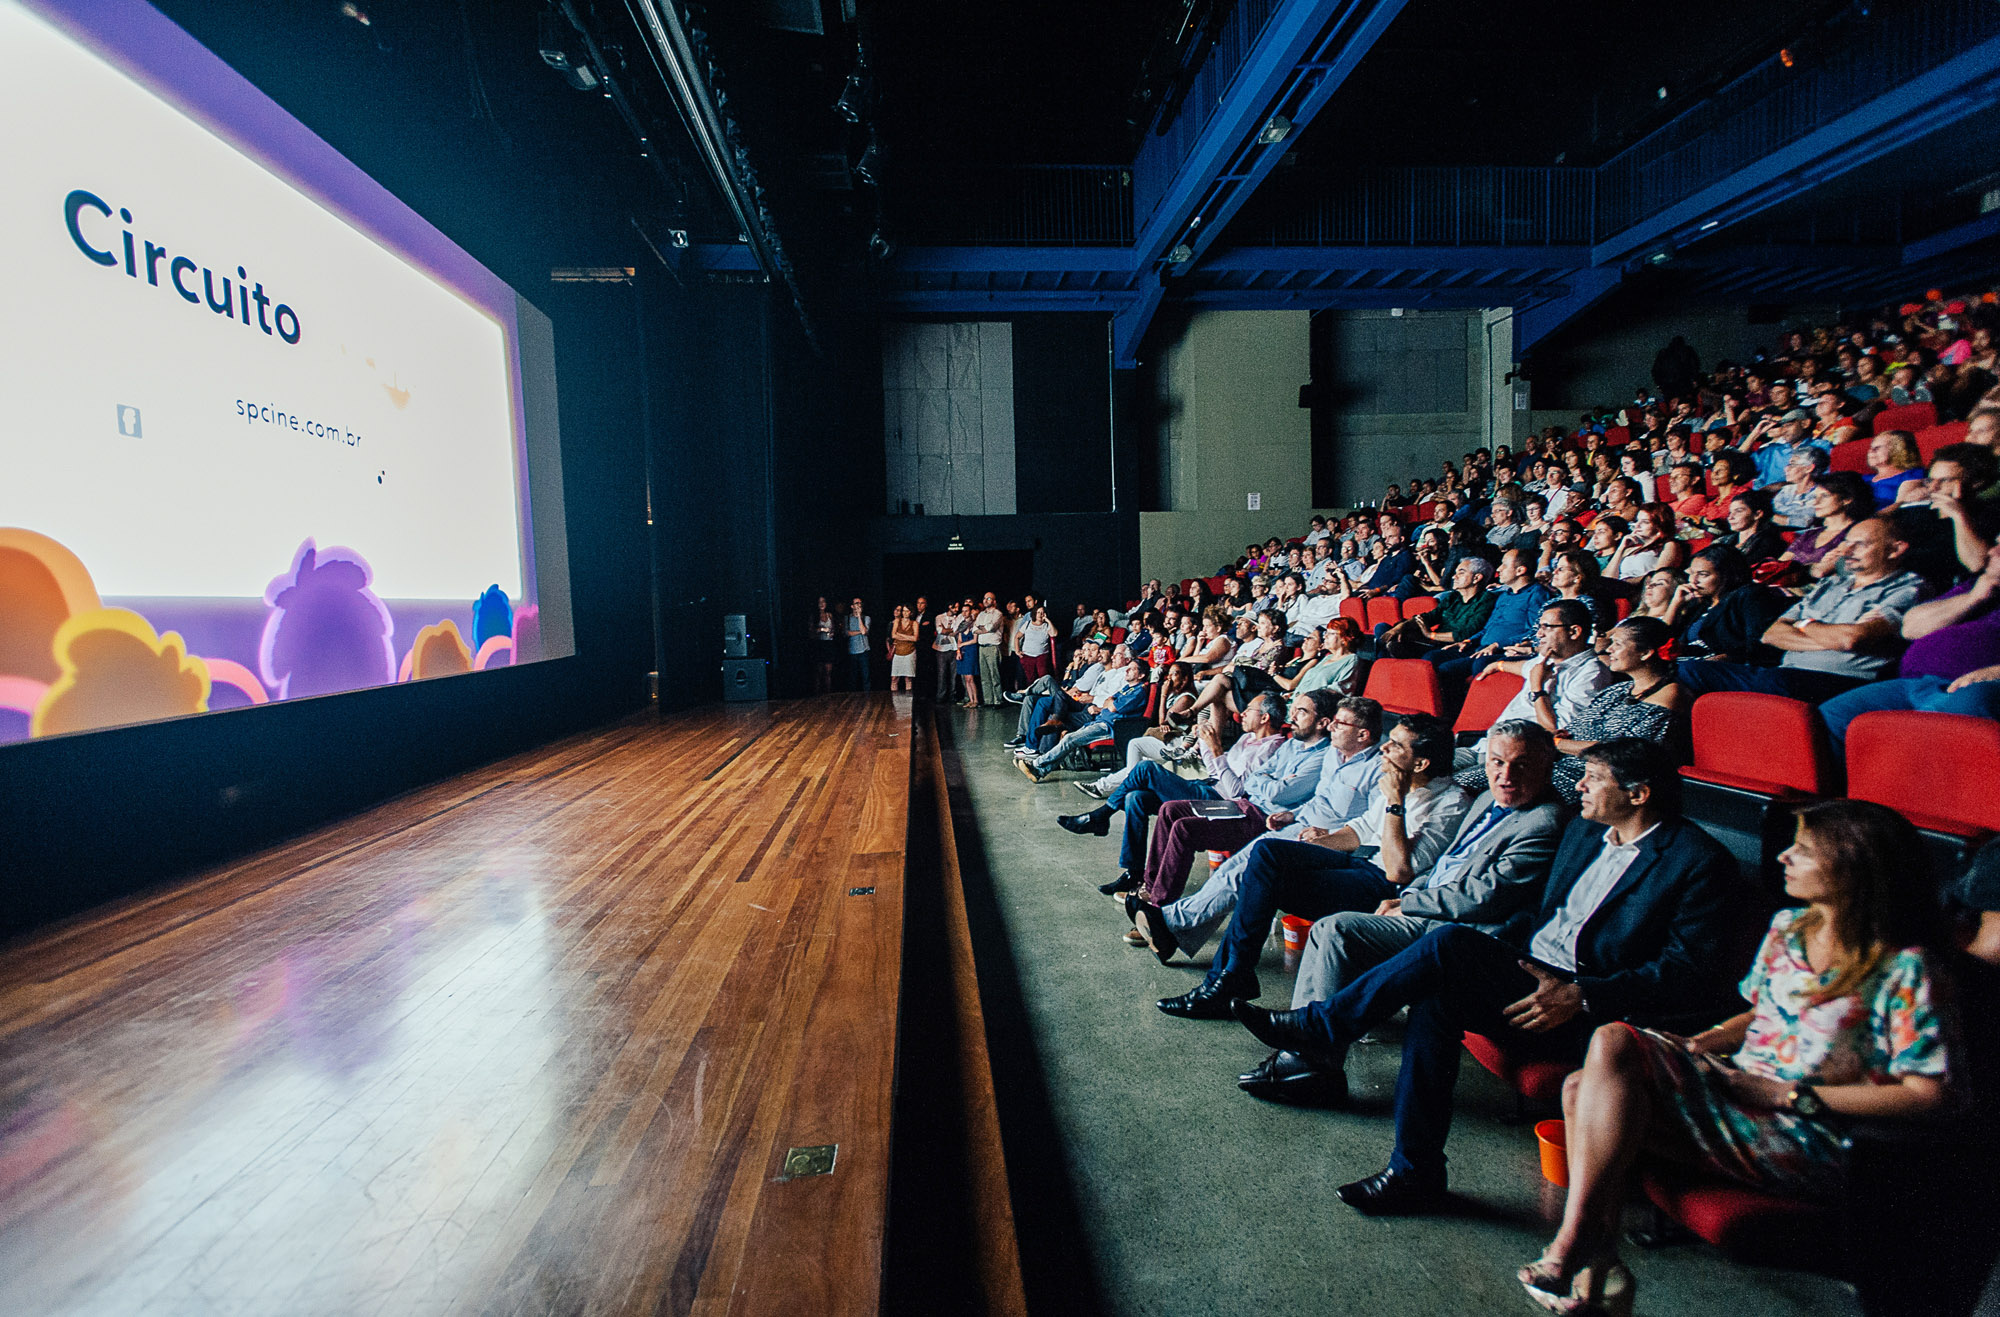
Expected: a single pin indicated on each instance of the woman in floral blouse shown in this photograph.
(1845, 1023)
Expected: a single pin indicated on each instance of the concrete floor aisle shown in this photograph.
(1186, 1195)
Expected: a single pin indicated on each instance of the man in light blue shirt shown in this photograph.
(1349, 783)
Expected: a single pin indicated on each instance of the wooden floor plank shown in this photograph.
(535, 1039)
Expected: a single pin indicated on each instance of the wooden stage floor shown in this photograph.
(537, 1039)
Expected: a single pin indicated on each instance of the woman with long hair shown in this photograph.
(1648, 546)
(826, 647)
(1656, 593)
(903, 649)
(1845, 1023)
(1573, 574)
(1648, 704)
(967, 662)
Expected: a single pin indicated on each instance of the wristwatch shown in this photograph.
(1805, 1103)
(1537, 695)
(1397, 810)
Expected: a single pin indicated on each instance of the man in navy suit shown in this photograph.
(1643, 920)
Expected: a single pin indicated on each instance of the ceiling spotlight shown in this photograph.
(880, 247)
(1181, 254)
(1786, 58)
(869, 167)
(355, 12)
(1276, 129)
(561, 50)
(1661, 257)
(1709, 225)
(1662, 93)
(677, 237)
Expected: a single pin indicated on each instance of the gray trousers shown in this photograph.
(1198, 917)
(947, 671)
(1345, 945)
(989, 674)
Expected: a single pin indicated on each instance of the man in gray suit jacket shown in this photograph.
(1495, 867)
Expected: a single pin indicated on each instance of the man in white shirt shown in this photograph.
(1643, 922)
(987, 625)
(1357, 866)
(1562, 644)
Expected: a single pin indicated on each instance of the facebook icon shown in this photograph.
(128, 422)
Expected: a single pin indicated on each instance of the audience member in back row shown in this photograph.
(1846, 631)
(1845, 1024)
(1636, 925)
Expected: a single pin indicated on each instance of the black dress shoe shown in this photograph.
(1284, 1030)
(1152, 926)
(1294, 1080)
(1085, 825)
(1394, 1193)
(1120, 885)
(1206, 1001)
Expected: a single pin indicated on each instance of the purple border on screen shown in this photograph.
(158, 54)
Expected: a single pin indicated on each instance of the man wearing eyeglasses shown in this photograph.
(1562, 642)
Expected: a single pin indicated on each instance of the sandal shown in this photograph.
(1545, 1275)
(1602, 1289)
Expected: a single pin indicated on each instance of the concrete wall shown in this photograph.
(1411, 391)
(1603, 356)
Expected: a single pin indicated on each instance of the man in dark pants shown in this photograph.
(1643, 920)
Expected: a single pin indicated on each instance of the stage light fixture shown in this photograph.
(1276, 129)
(1181, 254)
(869, 167)
(562, 51)
(853, 98)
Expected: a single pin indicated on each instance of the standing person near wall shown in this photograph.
(987, 627)
(967, 662)
(826, 647)
(944, 652)
(1033, 637)
(857, 645)
(903, 649)
(921, 615)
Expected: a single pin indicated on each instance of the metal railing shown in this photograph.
(1772, 106)
(1161, 153)
(1444, 206)
(1023, 206)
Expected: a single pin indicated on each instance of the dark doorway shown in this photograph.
(943, 577)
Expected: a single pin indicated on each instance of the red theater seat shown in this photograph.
(1939, 770)
(1931, 439)
(1355, 609)
(1754, 755)
(1749, 1225)
(1916, 416)
(1422, 603)
(1540, 1082)
(1383, 611)
(1850, 456)
(1617, 435)
(1405, 686)
(1490, 692)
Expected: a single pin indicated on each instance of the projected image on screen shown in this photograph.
(264, 433)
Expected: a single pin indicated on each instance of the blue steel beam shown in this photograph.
(1964, 235)
(1959, 87)
(1585, 289)
(1306, 49)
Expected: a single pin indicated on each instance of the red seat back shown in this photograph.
(1932, 438)
(1623, 605)
(1490, 692)
(1747, 738)
(1355, 608)
(1616, 435)
(1535, 1080)
(1939, 770)
(1215, 584)
(1405, 686)
(1850, 456)
(1118, 635)
(1916, 416)
(1384, 610)
(1422, 603)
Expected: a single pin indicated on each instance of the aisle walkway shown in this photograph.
(1192, 1198)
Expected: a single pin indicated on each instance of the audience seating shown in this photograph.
(1489, 693)
(1383, 611)
(1405, 686)
(1931, 439)
(1850, 456)
(1751, 1226)
(1539, 1083)
(1416, 604)
(1939, 770)
(1355, 609)
(1752, 755)
(1916, 416)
